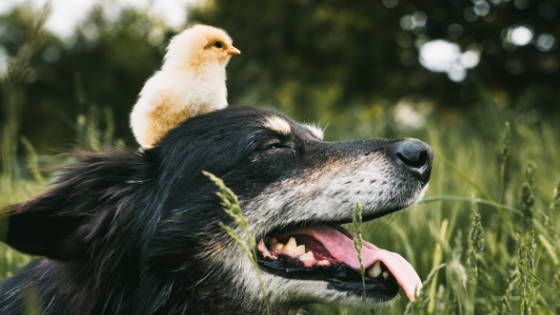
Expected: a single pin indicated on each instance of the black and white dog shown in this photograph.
(139, 233)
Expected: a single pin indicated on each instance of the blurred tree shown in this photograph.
(369, 49)
(310, 58)
(104, 65)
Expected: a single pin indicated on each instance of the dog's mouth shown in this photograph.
(326, 252)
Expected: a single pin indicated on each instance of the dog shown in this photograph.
(139, 232)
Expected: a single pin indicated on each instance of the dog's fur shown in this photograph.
(138, 233)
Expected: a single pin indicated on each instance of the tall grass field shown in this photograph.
(485, 239)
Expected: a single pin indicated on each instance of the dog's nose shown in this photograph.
(416, 156)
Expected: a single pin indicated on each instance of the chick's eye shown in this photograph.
(219, 44)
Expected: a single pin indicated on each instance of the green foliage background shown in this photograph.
(485, 238)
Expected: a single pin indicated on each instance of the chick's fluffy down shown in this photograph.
(191, 82)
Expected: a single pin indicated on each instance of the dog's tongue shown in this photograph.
(341, 247)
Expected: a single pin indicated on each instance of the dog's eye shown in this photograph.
(275, 146)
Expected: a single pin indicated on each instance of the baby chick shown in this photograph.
(191, 81)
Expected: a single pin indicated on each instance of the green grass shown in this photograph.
(485, 240)
(358, 226)
(485, 236)
(245, 239)
(490, 218)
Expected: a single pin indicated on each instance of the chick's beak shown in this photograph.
(233, 51)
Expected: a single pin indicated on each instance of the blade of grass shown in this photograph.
(436, 261)
(464, 176)
(230, 202)
(357, 224)
(471, 199)
(32, 160)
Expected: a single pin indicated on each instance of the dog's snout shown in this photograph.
(416, 156)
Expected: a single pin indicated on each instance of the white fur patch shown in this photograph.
(278, 124)
(316, 131)
(422, 193)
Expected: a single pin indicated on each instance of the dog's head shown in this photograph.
(156, 212)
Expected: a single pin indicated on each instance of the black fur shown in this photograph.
(125, 233)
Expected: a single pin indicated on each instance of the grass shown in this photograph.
(245, 238)
(357, 225)
(484, 240)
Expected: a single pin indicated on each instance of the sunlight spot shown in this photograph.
(444, 56)
(470, 58)
(67, 14)
(519, 35)
(545, 42)
(481, 8)
(457, 73)
(438, 55)
(390, 3)
(407, 115)
(413, 21)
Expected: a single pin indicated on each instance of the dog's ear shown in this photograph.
(60, 223)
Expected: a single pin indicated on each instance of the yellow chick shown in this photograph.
(191, 82)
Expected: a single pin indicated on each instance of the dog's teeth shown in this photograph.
(275, 244)
(385, 275)
(291, 243)
(375, 270)
(291, 247)
(307, 256)
(324, 262)
(300, 250)
(295, 251)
